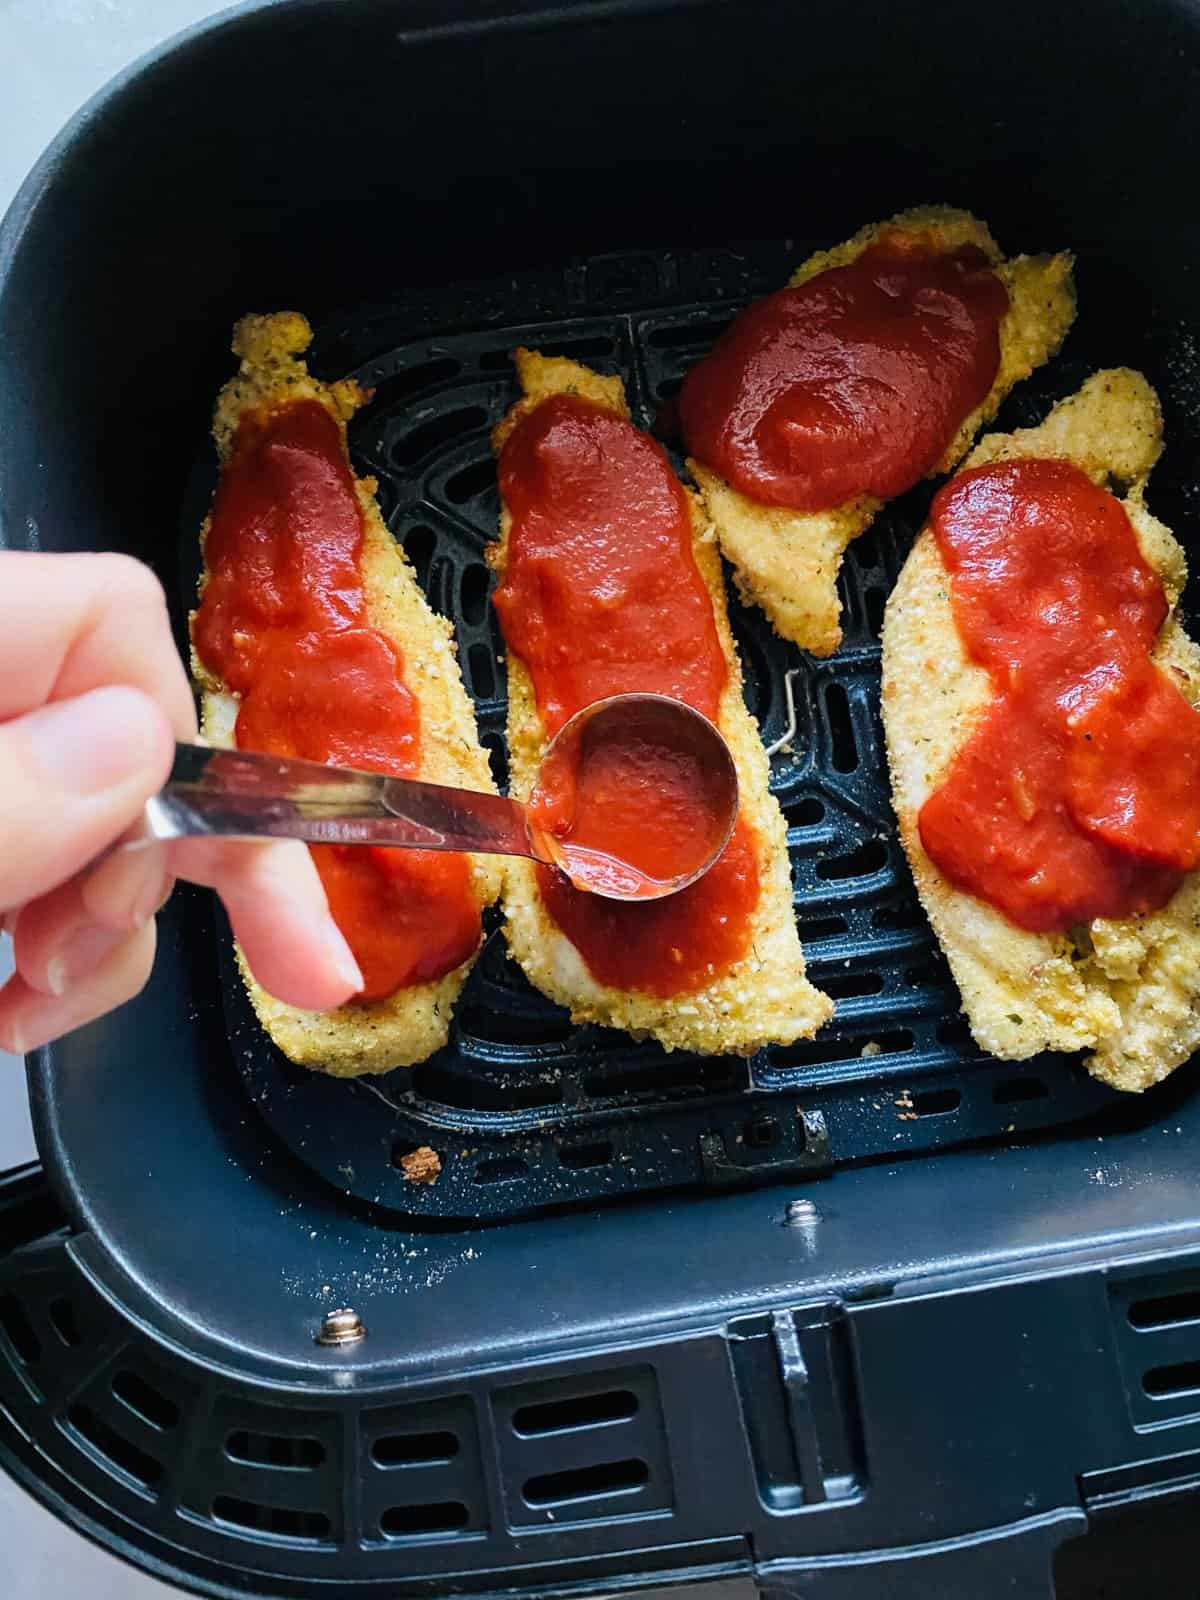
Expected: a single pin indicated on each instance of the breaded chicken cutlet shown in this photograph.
(1128, 991)
(787, 561)
(411, 1023)
(764, 998)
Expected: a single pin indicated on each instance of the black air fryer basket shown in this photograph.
(870, 1315)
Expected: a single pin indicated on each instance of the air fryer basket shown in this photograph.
(981, 1327)
(524, 1110)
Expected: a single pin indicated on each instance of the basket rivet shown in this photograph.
(341, 1327)
(801, 1214)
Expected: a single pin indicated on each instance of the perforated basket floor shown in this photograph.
(524, 1110)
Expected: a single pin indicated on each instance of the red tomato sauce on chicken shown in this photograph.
(602, 596)
(283, 622)
(854, 382)
(1078, 795)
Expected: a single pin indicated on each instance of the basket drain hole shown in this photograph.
(419, 545)
(860, 863)
(419, 442)
(586, 1155)
(935, 1102)
(586, 1483)
(275, 1450)
(473, 593)
(805, 812)
(414, 1449)
(846, 985)
(841, 729)
(501, 1169)
(444, 1516)
(1014, 1090)
(579, 1411)
(470, 481)
(284, 1522)
(411, 381)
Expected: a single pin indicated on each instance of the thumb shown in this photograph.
(73, 776)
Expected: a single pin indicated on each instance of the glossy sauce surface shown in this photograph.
(1078, 795)
(283, 621)
(602, 596)
(591, 798)
(853, 382)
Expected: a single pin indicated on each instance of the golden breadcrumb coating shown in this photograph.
(765, 998)
(411, 1024)
(787, 562)
(1127, 991)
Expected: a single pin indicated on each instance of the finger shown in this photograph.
(65, 935)
(29, 1018)
(280, 917)
(81, 622)
(74, 775)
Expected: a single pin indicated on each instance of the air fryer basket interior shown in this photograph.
(369, 155)
(481, 171)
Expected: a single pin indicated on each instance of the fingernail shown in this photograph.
(96, 741)
(341, 958)
(79, 956)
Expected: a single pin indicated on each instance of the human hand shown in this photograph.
(92, 698)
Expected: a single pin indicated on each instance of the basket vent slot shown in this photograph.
(118, 1452)
(576, 1411)
(297, 1452)
(414, 1449)
(65, 1322)
(586, 1483)
(285, 1522)
(144, 1399)
(1166, 1309)
(19, 1329)
(411, 1522)
(1182, 1377)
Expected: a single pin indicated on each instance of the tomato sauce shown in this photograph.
(1078, 795)
(591, 800)
(283, 622)
(602, 596)
(852, 383)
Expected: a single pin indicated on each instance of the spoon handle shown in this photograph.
(242, 794)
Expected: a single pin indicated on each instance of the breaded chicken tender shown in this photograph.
(765, 998)
(787, 562)
(1127, 991)
(412, 1023)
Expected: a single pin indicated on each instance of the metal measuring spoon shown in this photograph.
(246, 795)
